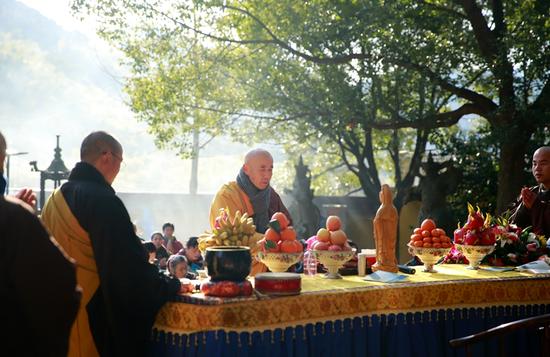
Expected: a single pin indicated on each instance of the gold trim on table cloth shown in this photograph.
(348, 300)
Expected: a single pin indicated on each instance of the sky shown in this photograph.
(76, 107)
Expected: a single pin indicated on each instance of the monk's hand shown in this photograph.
(28, 196)
(528, 197)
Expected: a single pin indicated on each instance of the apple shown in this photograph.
(321, 246)
(338, 237)
(335, 248)
(311, 241)
(323, 235)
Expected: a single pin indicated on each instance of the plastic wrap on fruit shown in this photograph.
(226, 288)
(186, 286)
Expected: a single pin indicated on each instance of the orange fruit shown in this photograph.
(289, 234)
(418, 243)
(272, 235)
(290, 246)
(416, 237)
(268, 246)
(338, 237)
(427, 245)
(427, 239)
(282, 219)
(441, 232)
(417, 231)
(427, 225)
(333, 223)
(435, 232)
(426, 234)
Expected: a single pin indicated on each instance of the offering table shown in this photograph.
(353, 317)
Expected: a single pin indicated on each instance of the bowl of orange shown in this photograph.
(279, 249)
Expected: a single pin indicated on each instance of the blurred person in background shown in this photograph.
(171, 244)
(193, 255)
(38, 287)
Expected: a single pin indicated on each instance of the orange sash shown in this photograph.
(63, 225)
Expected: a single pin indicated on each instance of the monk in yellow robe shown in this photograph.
(251, 192)
(121, 290)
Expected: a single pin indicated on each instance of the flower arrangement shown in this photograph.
(516, 246)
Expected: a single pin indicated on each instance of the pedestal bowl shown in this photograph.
(279, 262)
(475, 253)
(429, 256)
(333, 260)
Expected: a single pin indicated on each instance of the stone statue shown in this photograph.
(385, 232)
(305, 214)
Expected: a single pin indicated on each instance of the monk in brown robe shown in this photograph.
(533, 206)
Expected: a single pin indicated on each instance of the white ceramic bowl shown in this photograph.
(429, 256)
(279, 262)
(474, 253)
(333, 260)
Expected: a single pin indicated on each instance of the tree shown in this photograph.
(491, 60)
(257, 91)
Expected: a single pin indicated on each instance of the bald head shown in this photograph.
(3, 147)
(258, 166)
(255, 153)
(104, 152)
(541, 166)
(96, 144)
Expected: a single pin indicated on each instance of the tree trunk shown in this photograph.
(511, 176)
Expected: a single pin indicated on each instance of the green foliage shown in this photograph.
(347, 76)
(475, 153)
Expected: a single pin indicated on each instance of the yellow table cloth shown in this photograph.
(322, 300)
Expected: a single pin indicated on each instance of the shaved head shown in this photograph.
(542, 150)
(104, 152)
(541, 166)
(258, 166)
(253, 154)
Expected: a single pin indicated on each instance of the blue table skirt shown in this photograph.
(404, 334)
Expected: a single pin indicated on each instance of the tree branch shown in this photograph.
(434, 121)
(484, 37)
(485, 104)
(445, 9)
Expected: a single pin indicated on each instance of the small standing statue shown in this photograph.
(385, 233)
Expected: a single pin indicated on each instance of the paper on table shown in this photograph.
(536, 267)
(497, 269)
(385, 277)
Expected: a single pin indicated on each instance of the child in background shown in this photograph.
(178, 267)
(161, 252)
(193, 255)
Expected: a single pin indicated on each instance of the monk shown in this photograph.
(385, 232)
(38, 287)
(533, 206)
(121, 291)
(251, 193)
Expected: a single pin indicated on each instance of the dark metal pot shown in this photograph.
(228, 263)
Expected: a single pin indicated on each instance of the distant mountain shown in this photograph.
(69, 52)
(54, 82)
